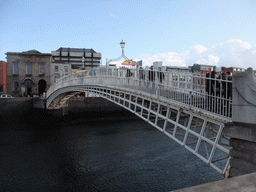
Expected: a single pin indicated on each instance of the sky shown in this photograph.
(178, 33)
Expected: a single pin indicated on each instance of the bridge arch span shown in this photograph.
(196, 129)
(198, 133)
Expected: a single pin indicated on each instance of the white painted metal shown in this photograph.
(177, 105)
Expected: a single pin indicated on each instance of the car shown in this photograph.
(1, 93)
(6, 96)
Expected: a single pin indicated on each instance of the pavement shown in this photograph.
(244, 183)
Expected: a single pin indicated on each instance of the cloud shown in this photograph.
(171, 58)
(232, 53)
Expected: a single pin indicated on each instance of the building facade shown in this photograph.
(76, 57)
(157, 64)
(201, 69)
(28, 73)
(59, 70)
(3, 78)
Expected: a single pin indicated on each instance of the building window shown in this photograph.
(16, 85)
(56, 69)
(15, 68)
(29, 69)
(41, 69)
(56, 78)
(66, 70)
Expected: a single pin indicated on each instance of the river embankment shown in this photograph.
(79, 110)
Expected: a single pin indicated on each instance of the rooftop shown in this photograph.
(83, 50)
(29, 52)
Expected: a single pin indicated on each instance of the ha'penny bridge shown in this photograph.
(198, 112)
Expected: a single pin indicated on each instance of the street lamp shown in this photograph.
(83, 59)
(122, 44)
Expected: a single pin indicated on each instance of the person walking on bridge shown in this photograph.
(151, 74)
(214, 91)
(92, 72)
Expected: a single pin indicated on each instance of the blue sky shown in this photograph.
(180, 33)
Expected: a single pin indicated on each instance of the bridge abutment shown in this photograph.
(243, 159)
(242, 131)
(243, 152)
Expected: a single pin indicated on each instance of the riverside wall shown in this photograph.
(84, 109)
(78, 110)
(14, 108)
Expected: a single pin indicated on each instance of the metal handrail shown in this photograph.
(197, 90)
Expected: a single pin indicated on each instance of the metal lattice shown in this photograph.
(178, 108)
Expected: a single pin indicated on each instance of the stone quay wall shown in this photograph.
(15, 109)
(243, 155)
(15, 105)
(92, 104)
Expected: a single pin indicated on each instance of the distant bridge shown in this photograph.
(177, 104)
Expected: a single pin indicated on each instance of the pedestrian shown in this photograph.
(207, 76)
(224, 85)
(128, 73)
(141, 73)
(151, 74)
(229, 88)
(214, 85)
(214, 92)
(92, 72)
(160, 75)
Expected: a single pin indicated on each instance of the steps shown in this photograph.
(60, 101)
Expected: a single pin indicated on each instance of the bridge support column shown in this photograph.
(242, 131)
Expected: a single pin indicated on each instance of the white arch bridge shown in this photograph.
(177, 104)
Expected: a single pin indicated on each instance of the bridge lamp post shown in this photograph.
(62, 71)
(122, 44)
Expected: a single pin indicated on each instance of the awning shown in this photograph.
(129, 62)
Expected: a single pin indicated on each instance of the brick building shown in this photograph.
(28, 73)
(3, 76)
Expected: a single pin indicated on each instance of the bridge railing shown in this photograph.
(213, 94)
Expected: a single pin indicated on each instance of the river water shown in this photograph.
(103, 155)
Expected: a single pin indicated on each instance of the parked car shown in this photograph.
(1, 93)
(6, 96)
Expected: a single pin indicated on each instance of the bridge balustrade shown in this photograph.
(213, 95)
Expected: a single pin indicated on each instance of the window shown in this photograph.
(41, 69)
(15, 68)
(16, 85)
(56, 78)
(29, 69)
(66, 70)
(56, 69)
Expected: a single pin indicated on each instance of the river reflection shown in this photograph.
(96, 156)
